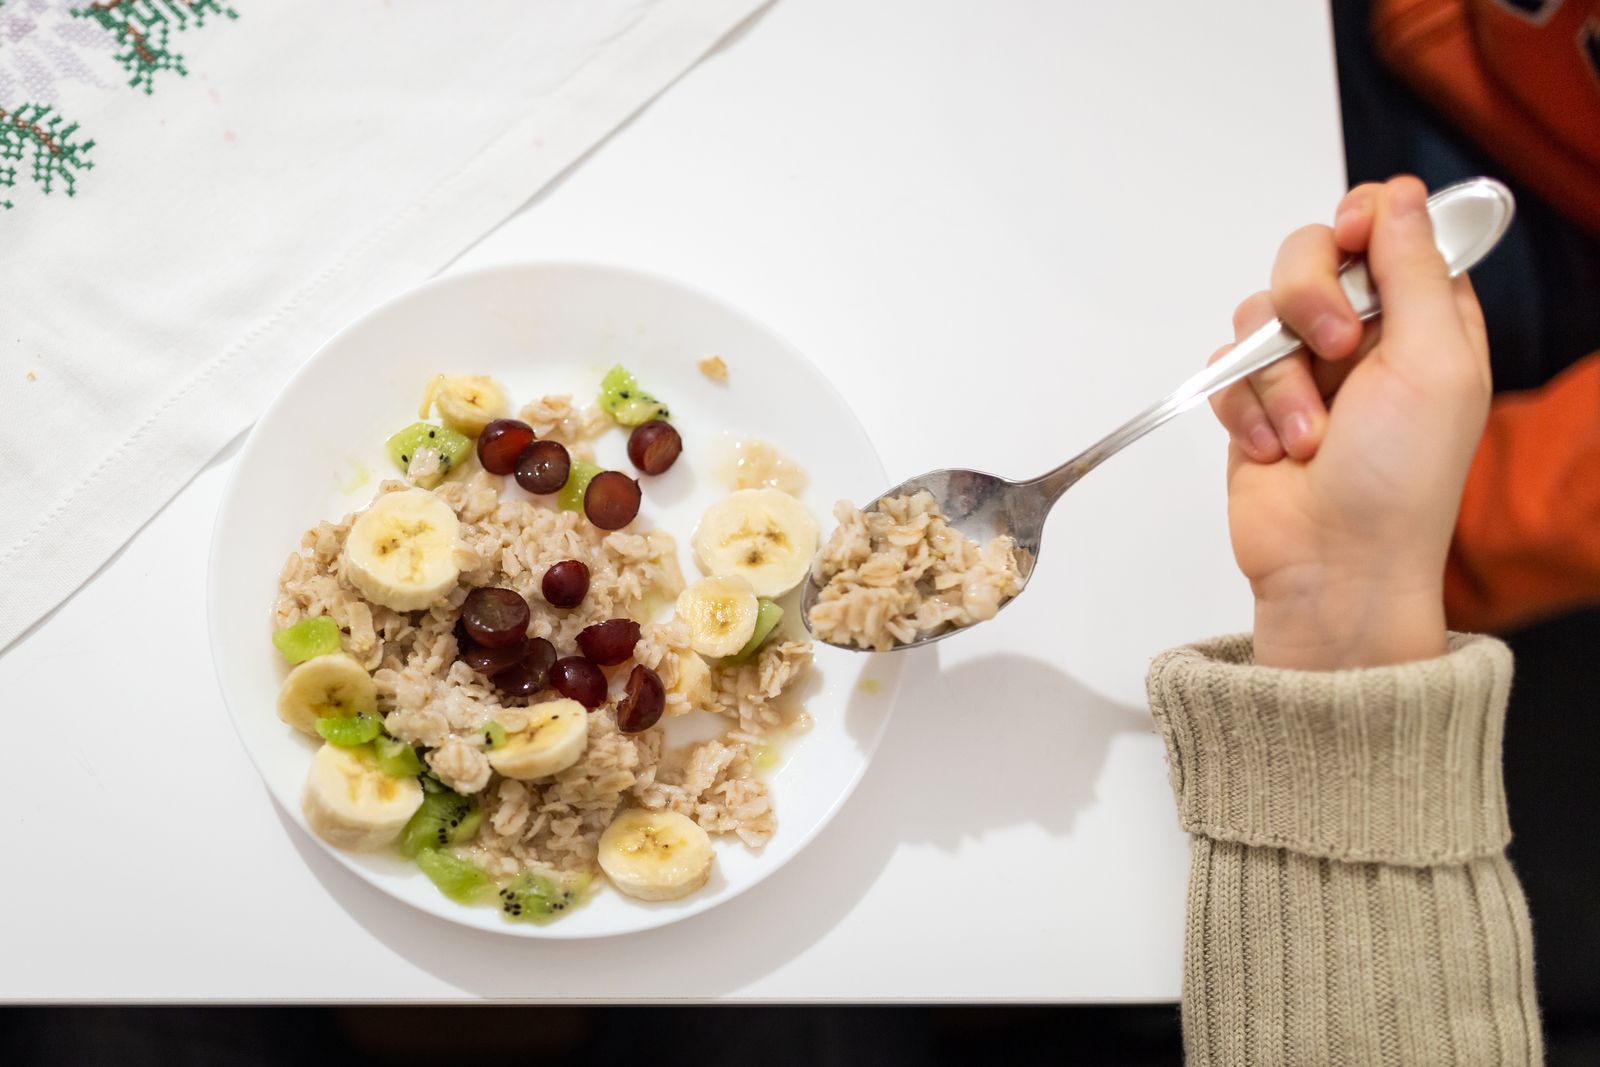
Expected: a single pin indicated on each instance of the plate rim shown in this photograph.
(457, 914)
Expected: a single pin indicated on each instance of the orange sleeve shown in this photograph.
(1527, 544)
(1521, 79)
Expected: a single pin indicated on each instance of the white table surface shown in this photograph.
(1001, 227)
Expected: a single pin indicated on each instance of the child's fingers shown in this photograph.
(1241, 414)
(1293, 403)
(1421, 316)
(1352, 220)
(1286, 391)
(1307, 295)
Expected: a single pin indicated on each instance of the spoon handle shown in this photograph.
(1468, 218)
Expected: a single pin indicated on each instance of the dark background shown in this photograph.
(1541, 297)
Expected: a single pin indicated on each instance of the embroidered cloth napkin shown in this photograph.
(195, 193)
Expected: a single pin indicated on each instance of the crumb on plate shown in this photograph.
(713, 367)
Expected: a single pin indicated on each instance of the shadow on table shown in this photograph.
(996, 742)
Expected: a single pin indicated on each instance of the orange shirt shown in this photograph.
(1521, 77)
(1527, 543)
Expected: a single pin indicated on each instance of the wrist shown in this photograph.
(1317, 621)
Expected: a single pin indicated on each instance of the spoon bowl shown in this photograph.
(1469, 218)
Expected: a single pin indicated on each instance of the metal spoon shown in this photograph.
(1469, 218)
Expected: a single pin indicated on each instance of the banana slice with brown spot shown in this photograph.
(656, 855)
(553, 740)
(466, 402)
(764, 536)
(720, 614)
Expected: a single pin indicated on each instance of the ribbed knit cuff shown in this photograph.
(1393, 765)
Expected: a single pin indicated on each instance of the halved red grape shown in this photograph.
(501, 442)
(578, 679)
(612, 500)
(565, 584)
(531, 673)
(641, 707)
(486, 660)
(654, 446)
(495, 618)
(543, 467)
(609, 643)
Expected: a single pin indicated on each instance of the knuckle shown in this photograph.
(1253, 309)
(1307, 258)
(1406, 181)
(1310, 233)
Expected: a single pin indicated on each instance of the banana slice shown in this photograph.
(765, 536)
(401, 551)
(720, 614)
(331, 686)
(466, 402)
(655, 855)
(350, 803)
(553, 740)
(694, 679)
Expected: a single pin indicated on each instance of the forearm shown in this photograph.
(1348, 886)
(1289, 956)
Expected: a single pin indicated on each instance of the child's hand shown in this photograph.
(1345, 468)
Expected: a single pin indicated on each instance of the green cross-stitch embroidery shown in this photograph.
(56, 155)
(142, 28)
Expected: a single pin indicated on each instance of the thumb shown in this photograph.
(1419, 304)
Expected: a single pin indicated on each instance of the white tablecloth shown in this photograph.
(195, 193)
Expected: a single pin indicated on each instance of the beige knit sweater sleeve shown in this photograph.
(1349, 896)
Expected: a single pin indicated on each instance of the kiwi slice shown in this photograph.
(768, 615)
(578, 478)
(307, 638)
(445, 818)
(453, 448)
(397, 759)
(456, 878)
(494, 735)
(347, 731)
(623, 400)
(533, 898)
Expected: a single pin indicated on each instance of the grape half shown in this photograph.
(495, 617)
(609, 643)
(654, 446)
(543, 467)
(487, 660)
(641, 707)
(501, 442)
(579, 679)
(612, 500)
(565, 584)
(530, 674)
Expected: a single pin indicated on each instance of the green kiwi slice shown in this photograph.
(623, 400)
(456, 878)
(397, 759)
(347, 731)
(307, 638)
(533, 898)
(453, 449)
(445, 818)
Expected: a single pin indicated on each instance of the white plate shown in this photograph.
(538, 329)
